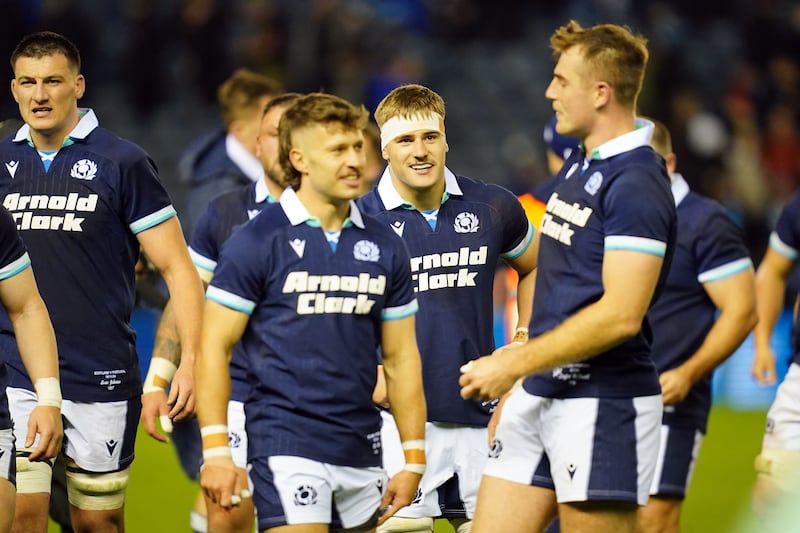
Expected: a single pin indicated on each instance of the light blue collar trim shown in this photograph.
(680, 189)
(247, 162)
(626, 142)
(297, 213)
(87, 123)
(392, 199)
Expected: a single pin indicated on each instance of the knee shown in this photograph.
(97, 492)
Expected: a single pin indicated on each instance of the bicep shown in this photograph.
(630, 278)
(19, 291)
(222, 326)
(397, 337)
(163, 243)
(733, 291)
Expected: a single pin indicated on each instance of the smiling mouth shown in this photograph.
(423, 166)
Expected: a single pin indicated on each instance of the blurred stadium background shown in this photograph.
(724, 77)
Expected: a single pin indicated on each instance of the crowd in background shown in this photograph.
(724, 76)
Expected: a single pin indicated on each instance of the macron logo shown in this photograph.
(299, 246)
(110, 445)
(251, 213)
(398, 227)
(11, 166)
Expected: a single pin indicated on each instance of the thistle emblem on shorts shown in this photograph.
(466, 223)
(366, 251)
(85, 169)
(305, 495)
(496, 448)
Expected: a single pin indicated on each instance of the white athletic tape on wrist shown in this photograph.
(520, 335)
(219, 451)
(417, 468)
(48, 391)
(158, 375)
(213, 429)
(397, 126)
(418, 444)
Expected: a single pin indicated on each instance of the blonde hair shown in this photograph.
(408, 101)
(612, 54)
(242, 93)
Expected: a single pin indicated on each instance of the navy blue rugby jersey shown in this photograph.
(224, 214)
(785, 240)
(79, 221)
(709, 247)
(315, 324)
(617, 199)
(13, 260)
(453, 270)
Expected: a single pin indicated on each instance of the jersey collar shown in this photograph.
(247, 162)
(297, 213)
(391, 198)
(87, 123)
(262, 192)
(626, 142)
(680, 189)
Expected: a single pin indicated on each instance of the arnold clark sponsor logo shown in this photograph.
(570, 213)
(23, 208)
(426, 269)
(313, 297)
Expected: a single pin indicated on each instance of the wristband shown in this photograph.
(215, 440)
(219, 451)
(417, 468)
(48, 391)
(158, 375)
(414, 451)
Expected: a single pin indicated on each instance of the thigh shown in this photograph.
(100, 436)
(603, 449)
(677, 457)
(783, 418)
(7, 456)
(517, 452)
(597, 517)
(505, 505)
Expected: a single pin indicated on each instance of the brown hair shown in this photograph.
(46, 43)
(309, 110)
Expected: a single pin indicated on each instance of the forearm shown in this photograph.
(181, 331)
(771, 292)
(212, 375)
(406, 396)
(167, 341)
(727, 334)
(36, 341)
(591, 331)
(525, 294)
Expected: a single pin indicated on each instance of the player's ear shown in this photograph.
(297, 160)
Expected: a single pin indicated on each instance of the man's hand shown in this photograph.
(764, 367)
(46, 421)
(154, 406)
(181, 393)
(488, 377)
(400, 491)
(675, 386)
(221, 482)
